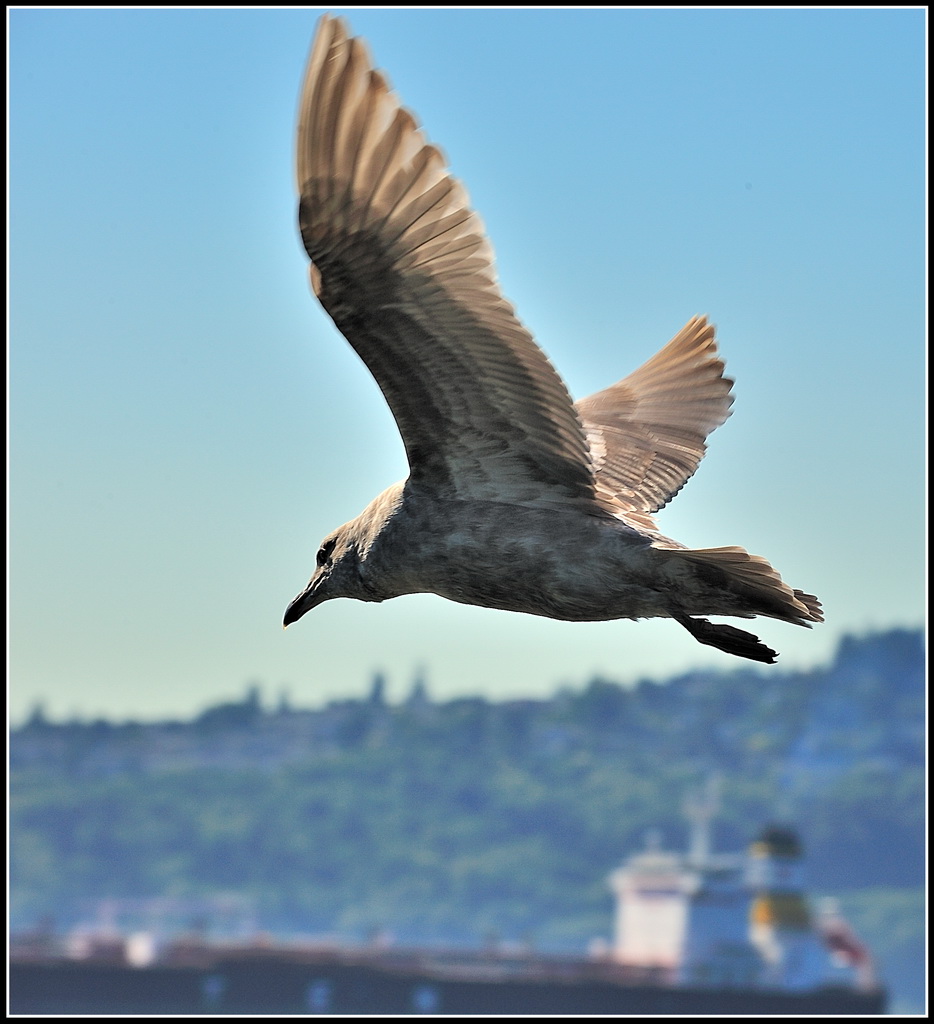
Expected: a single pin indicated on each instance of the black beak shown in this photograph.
(306, 600)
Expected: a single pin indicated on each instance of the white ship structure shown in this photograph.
(732, 920)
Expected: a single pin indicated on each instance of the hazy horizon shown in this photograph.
(397, 692)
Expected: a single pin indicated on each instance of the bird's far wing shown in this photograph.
(402, 265)
(647, 433)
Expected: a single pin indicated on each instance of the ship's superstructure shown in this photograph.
(781, 924)
(707, 919)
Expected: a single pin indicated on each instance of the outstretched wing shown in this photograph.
(647, 433)
(402, 265)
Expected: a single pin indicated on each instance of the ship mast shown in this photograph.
(700, 807)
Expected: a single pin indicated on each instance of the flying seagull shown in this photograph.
(517, 497)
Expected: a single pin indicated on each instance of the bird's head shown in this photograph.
(349, 564)
(338, 573)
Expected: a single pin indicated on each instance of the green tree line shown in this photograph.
(450, 821)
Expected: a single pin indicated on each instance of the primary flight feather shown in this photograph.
(517, 497)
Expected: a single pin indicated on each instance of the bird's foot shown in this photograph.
(728, 639)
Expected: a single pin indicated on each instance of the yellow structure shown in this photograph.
(781, 925)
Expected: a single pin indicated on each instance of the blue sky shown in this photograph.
(185, 423)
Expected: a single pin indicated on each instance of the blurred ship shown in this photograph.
(739, 922)
(696, 933)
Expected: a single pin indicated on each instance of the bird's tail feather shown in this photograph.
(758, 587)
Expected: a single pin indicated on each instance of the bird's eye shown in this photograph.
(324, 552)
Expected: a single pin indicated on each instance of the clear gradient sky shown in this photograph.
(186, 424)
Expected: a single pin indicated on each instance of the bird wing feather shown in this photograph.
(647, 433)
(403, 266)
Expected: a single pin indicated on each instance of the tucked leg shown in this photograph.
(727, 638)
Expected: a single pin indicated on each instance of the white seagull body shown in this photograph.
(517, 497)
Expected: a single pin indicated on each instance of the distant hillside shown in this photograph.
(458, 819)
